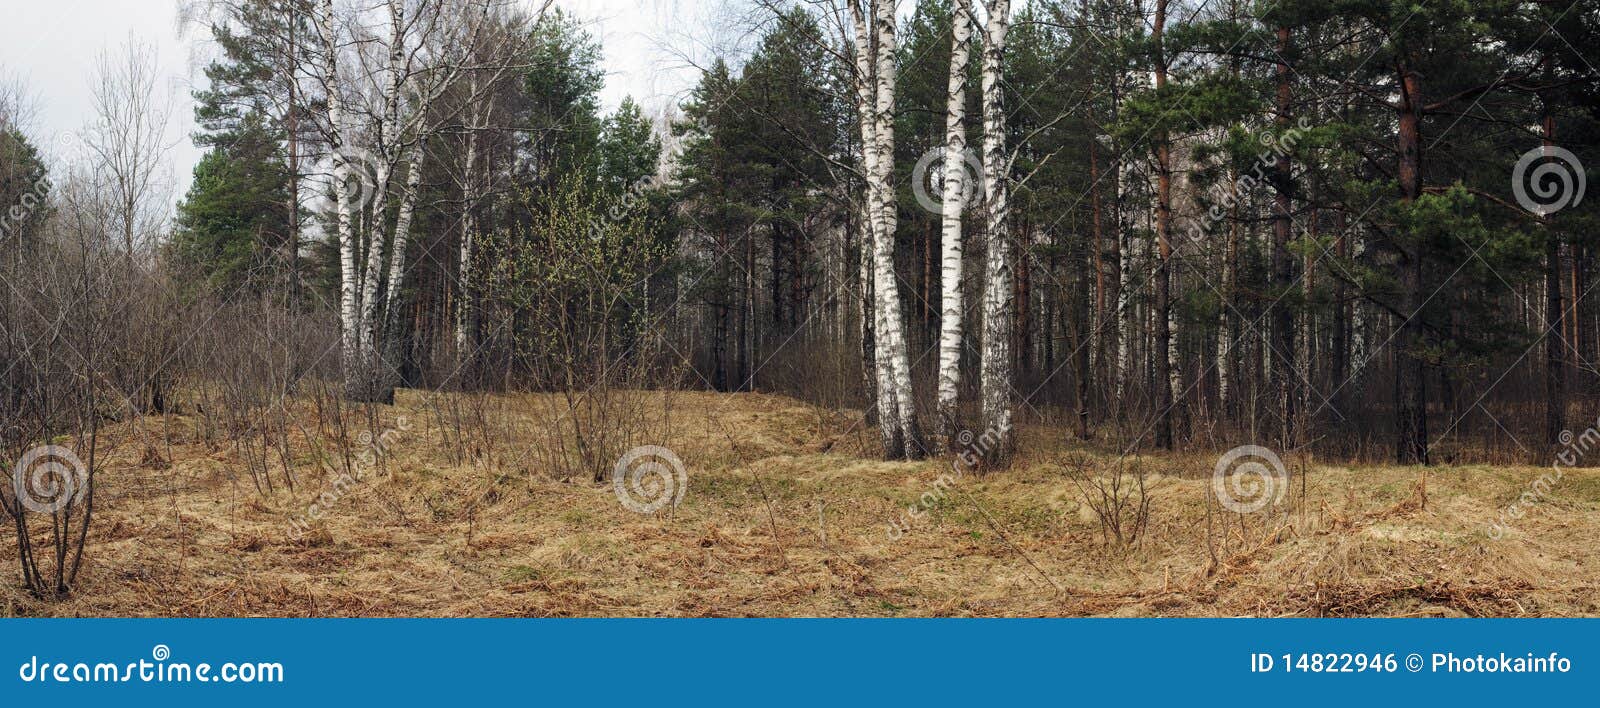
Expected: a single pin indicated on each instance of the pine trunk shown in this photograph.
(1283, 331)
(1410, 387)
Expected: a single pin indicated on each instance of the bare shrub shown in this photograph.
(472, 424)
(252, 359)
(1119, 497)
(57, 309)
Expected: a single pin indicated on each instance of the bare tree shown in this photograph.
(128, 142)
(124, 190)
(60, 310)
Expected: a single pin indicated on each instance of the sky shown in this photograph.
(50, 47)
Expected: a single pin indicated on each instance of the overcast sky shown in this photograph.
(50, 46)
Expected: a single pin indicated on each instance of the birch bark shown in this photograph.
(349, 323)
(996, 368)
(469, 203)
(954, 196)
(888, 411)
(892, 349)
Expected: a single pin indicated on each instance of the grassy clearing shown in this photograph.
(786, 516)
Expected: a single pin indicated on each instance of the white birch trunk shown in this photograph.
(389, 128)
(349, 321)
(370, 287)
(892, 351)
(1174, 362)
(402, 227)
(1359, 345)
(869, 327)
(1225, 331)
(954, 193)
(1307, 344)
(1131, 253)
(889, 426)
(466, 284)
(996, 373)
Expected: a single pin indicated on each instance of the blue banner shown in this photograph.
(796, 662)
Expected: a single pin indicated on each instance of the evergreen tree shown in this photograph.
(628, 148)
(232, 223)
(713, 170)
(24, 190)
(252, 109)
(560, 101)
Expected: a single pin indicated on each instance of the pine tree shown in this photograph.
(233, 225)
(253, 106)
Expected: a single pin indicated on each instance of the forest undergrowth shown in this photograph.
(786, 511)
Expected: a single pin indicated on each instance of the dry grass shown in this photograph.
(784, 516)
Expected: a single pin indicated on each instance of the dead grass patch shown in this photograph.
(785, 516)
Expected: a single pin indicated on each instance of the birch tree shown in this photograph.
(853, 34)
(954, 195)
(875, 90)
(378, 121)
(996, 370)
